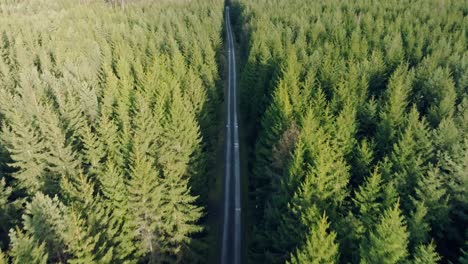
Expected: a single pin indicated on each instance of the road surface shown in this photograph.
(231, 233)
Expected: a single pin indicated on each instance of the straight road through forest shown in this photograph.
(231, 234)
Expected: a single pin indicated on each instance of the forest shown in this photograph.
(357, 115)
(353, 130)
(107, 116)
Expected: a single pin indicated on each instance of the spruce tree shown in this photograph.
(362, 161)
(326, 180)
(387, 243)
(24, 249)
(436, 91)
(368, 199)
(432, 191)
(410, 156)
(395, 53)
(175, 154)
(64, 232)
(446, 137)
(280, 226)
(457, 165)
(418, 226)
(327, 173)
(345, 128)
(275, 121)
(394, 108)
(44, 220)
(426, 254)
(320, 247)
(25, 144)
(145, 193)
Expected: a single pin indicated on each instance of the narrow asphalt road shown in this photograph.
(231, 234)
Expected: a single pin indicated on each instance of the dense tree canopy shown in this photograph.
(365, 102)
(355, 117)
(104, 113)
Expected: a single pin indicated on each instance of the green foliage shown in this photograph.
(5, 193)
(394, 109)
(3, 259)
(436, 90)
(426, 254)
(387, 243)
(410, 156)
(108, 129)
(433, 193)
(61, 229)
(380, 113)
(24, 249)
(369, 199)
(44, 220)
(320, 247)
(107, 121)
(9, 210)
(24, 143)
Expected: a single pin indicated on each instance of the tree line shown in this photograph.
(357, 111)
(107, 117)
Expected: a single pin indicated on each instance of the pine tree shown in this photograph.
(174, 154)
(426, 254)
(387, 243)
(44, 220)
(64, 232)
(435, 91)
(418, 225)
(24, 249)
(410, 156)
(433, 193)
(368, 199)
(394, 108)
(327, 173)
(25, 144)
(446, 136)
(345, 128)
(280, 225)
(320, 247)
(145, 192)
(362, 161)
(326, 180)
(275, 121)
(394, 49)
